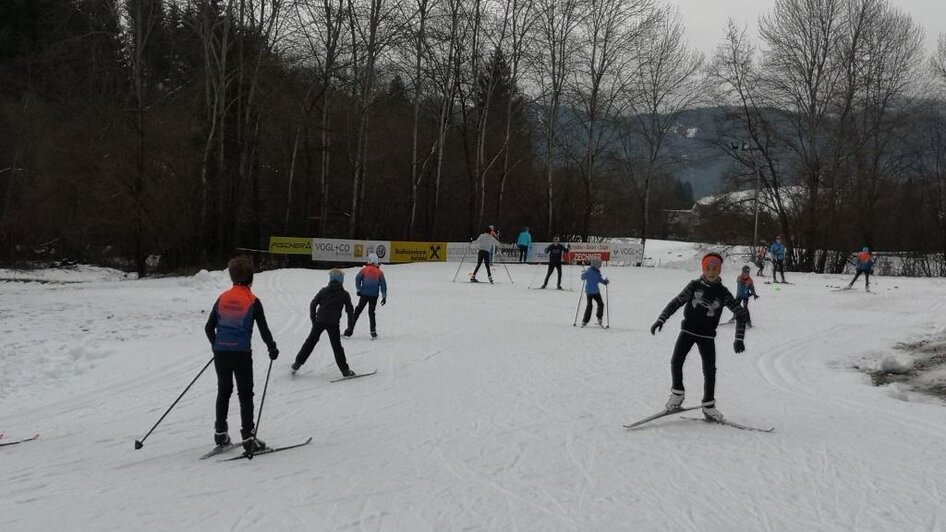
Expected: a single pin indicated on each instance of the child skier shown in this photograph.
(744, 289)
(325, 311)
(760, 254)
(704, 299)
(592, 277)
(230, 330)
(865, 265)
(368, 283)
(555, 251)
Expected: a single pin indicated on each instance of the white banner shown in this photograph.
(341, 250)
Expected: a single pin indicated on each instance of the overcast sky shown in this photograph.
(706, 19)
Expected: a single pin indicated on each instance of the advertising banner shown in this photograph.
(339, 250)
(287, 245)
(418, 251)
(627, 253)
(585, 251)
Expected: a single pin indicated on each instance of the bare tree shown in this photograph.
(555, 28)
(372, 26)
(664, 84)
(321, 24)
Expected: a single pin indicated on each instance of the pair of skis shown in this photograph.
(220, 449)
(17, 442)
(723, 421)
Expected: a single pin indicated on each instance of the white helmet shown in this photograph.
(373, 258)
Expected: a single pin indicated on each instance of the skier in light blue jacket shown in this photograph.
(524, 242)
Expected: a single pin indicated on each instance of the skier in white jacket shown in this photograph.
(485, 242)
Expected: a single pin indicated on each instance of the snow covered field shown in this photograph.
(489, 410)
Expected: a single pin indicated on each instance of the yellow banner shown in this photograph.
(288, 245)
(418, 251)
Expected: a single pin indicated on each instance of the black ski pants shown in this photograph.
(372, 302)
(745, 306)
(866, 277)
(553, 267)
(482, 258)
(230, 365)
(707, 347)
(523, 253)
(600, 313)
(778, 266)
(334, 337)
(760, 262)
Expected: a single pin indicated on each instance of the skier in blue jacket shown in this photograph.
(524, 242)
(777, 249)
(592, 278)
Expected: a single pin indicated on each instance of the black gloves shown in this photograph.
(358, 293)
(383, 301)
(738, 346)
(657, 326)
(605, 281)
(754, 296)
(273, 353)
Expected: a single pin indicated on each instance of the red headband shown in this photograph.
(711, 259)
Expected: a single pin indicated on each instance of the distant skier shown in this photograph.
(592, 277)
(745, 289)
(325, 311)
(865, 265)
(485, 242)
(704, 299)
(760, 254)
(524, 242)
(555, 251)
(230, 331)
(368, 284)
(777, 249)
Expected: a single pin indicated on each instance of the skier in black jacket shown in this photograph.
(325, 311)
(555, 251)
(704, 299)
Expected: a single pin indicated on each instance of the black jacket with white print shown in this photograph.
(704, 304)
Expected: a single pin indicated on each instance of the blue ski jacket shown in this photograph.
(777, 249)
(592, 277)
(525, 239)
(370, 281)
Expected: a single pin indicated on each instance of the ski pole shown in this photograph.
(507, 273)
(140, 443)
(580, 293)
(607, 307)
(462, 259)
(262, 400)
(535, 271)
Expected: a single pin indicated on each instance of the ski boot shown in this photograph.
(252, 444)
(374, 335)
(295, 367)
(676, 399)
(711, 413)
(349, 373)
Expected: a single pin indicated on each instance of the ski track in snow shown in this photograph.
(489, 411)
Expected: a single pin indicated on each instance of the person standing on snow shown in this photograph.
(760, 254)
(325, 311)
(865, 265)
(555, 251)
(485, 242)
(704, 299)
(777, 249)
(592, 277)
(524, 242)
(368, 284)
(744, 289)
(230, 331)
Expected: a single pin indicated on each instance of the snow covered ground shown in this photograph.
(489, 410)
